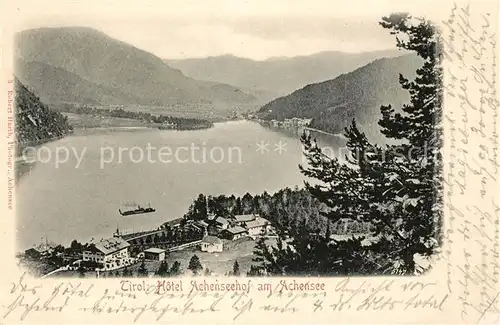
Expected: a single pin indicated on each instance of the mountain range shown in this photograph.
(359, 94)
(276, 76)
(83, 65)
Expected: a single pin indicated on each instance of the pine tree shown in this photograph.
(237, 208)
(328, 233)
(195, 264)
(175, 270)
(236, 269)
(199, 211)
(142, 271)
(163, 269)
(416, 181)
(208, 272)
(394, 188)
(394, 191)
(254, 271)
(261, 256)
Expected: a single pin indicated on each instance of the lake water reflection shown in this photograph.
(80, 198)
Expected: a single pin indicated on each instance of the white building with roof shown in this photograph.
(222, 222)
(257, 226)
(242, 218)
(155, 254)
(211, 244)
(111, 253)
(235, 232)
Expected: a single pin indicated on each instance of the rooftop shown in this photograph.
(203, 223)
(221, 220)
(237, 230)
(111, 245)
(245, 217)
(259, 222)
(154, 250)
(44, 247)
(211, 240)
(173, 222)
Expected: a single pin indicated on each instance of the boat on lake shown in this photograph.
(139, 210)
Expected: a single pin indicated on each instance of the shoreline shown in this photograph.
(95, 120)
(24, 167)
(295, 129)
(21, 166)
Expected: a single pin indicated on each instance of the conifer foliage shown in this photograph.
(195, 264)
(394, 188)
(142, 271)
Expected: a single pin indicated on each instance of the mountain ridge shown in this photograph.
(56, 85)
(113, 64)
(278, 76)
(332, 104)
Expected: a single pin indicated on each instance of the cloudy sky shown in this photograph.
(256, 31)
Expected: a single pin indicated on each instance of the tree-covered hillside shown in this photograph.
(359, 94)
(35, 122)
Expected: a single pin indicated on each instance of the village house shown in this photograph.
(155, 254)
(45, 248)
(211, 244)
(257, 226)
(33, 253)
(110, 253)
(222, 222)
(196, 226)
(174, 223)
(203, 225)
(240, 219)
(235, 232)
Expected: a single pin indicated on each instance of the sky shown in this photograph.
(252, 37)
(253, 29)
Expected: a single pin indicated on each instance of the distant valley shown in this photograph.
(276, 76)
(79, 66)
(84, 66)
(331, 88)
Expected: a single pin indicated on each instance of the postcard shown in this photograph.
(237, 162)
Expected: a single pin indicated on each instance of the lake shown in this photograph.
(79, 197)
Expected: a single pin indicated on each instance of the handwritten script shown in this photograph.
(471, 161)
(29, 299)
